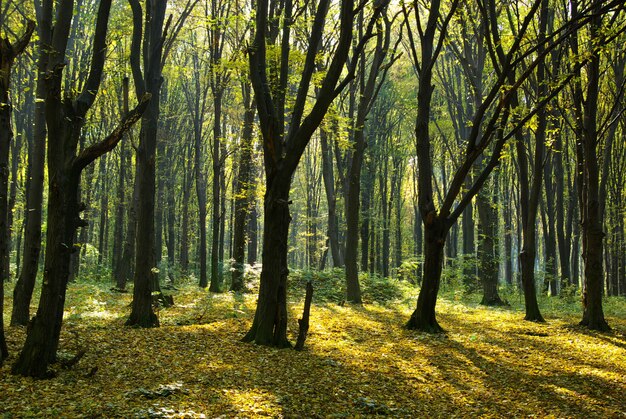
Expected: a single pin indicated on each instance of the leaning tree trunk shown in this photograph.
(423, 318)
(44, 329)
(270, 320)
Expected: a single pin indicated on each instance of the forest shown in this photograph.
(312, 208)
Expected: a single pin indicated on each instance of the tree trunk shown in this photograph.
(331, 198)
(270, 320)
(171, 215)
(118, 233)
(469, 251)
(23, 291)
(8, 53)
(253, 229)
(104, 211)
(423, 318)
(486, 204)
(124, 270)
(184, 228)
(146, 273)
(44, 329)
(353, 288)
(242, 192)
(562, 242)
(216, 285)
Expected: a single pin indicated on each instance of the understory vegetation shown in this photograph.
(358, 360)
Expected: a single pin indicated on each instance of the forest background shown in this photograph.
(378, 150)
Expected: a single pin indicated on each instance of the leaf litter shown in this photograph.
(357, 362)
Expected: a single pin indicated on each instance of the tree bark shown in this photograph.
(270, 320)
(486, 205)
(331, 199)
(243, 191)
(423, 318)
(23, 291)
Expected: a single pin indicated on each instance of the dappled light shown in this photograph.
(357, 361)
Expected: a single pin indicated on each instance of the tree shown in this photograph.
(490, 130)
(23, 291)
(369, 86)
(242, 188)
(283, 148)
(156, 46)
(586, 108)
(8, 53)
(65, 117)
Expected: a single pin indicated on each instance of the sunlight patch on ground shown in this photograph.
(358, 361)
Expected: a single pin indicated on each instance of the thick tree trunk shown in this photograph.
(44, 329)
(270, 320)
(423, 318)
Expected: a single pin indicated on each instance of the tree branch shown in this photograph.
(94, 151)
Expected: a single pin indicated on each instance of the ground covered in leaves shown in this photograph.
(358, 361)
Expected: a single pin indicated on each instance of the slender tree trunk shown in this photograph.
(215, 285)
(23, 291)
(171, 215)
(8, 54)
(486, 205)
(331, 198)
(353, 288)
(118, 234)
(104, 211)
(124, 270)
(243, 192)
(253, 228)
(184, 228)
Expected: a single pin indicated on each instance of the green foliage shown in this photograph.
(409, 270)
(330, 286)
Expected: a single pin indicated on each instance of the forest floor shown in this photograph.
(358, 361)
